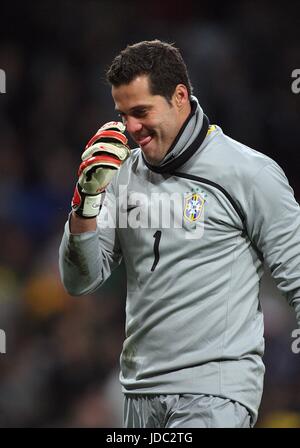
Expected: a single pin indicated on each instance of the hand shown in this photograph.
(103, 156)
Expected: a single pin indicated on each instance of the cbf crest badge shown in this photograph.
(193, 207)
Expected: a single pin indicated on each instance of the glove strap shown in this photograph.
(86, 205)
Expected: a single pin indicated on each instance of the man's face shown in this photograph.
(151, 121)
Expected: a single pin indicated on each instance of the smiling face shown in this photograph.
(151, 120)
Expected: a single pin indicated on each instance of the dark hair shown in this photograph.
(161, 61)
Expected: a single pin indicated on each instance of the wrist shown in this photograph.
(78, 225)
(86, 206)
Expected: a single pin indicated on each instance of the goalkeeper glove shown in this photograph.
(103, 156)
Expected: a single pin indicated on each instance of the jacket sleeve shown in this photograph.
(273, 225)
(86, 260)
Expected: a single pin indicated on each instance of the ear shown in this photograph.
(181, 96)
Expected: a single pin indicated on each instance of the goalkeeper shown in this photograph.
(192, 356)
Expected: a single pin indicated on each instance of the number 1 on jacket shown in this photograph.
(156, 237)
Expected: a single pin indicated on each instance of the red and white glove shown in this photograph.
(103, 156)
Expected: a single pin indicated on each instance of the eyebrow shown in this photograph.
(135, 108)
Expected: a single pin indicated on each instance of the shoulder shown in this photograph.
(230, 161)
(236, 167)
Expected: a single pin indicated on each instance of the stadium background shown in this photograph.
(61, 361)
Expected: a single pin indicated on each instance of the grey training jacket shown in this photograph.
(193, 238)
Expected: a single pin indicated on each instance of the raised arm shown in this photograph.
(89, 250)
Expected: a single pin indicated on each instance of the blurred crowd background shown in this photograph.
(62, 353)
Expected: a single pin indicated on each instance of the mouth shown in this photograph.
(143, 141)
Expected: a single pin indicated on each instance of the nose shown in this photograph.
(133, 125)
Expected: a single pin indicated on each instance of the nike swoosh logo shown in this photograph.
(131, 207)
